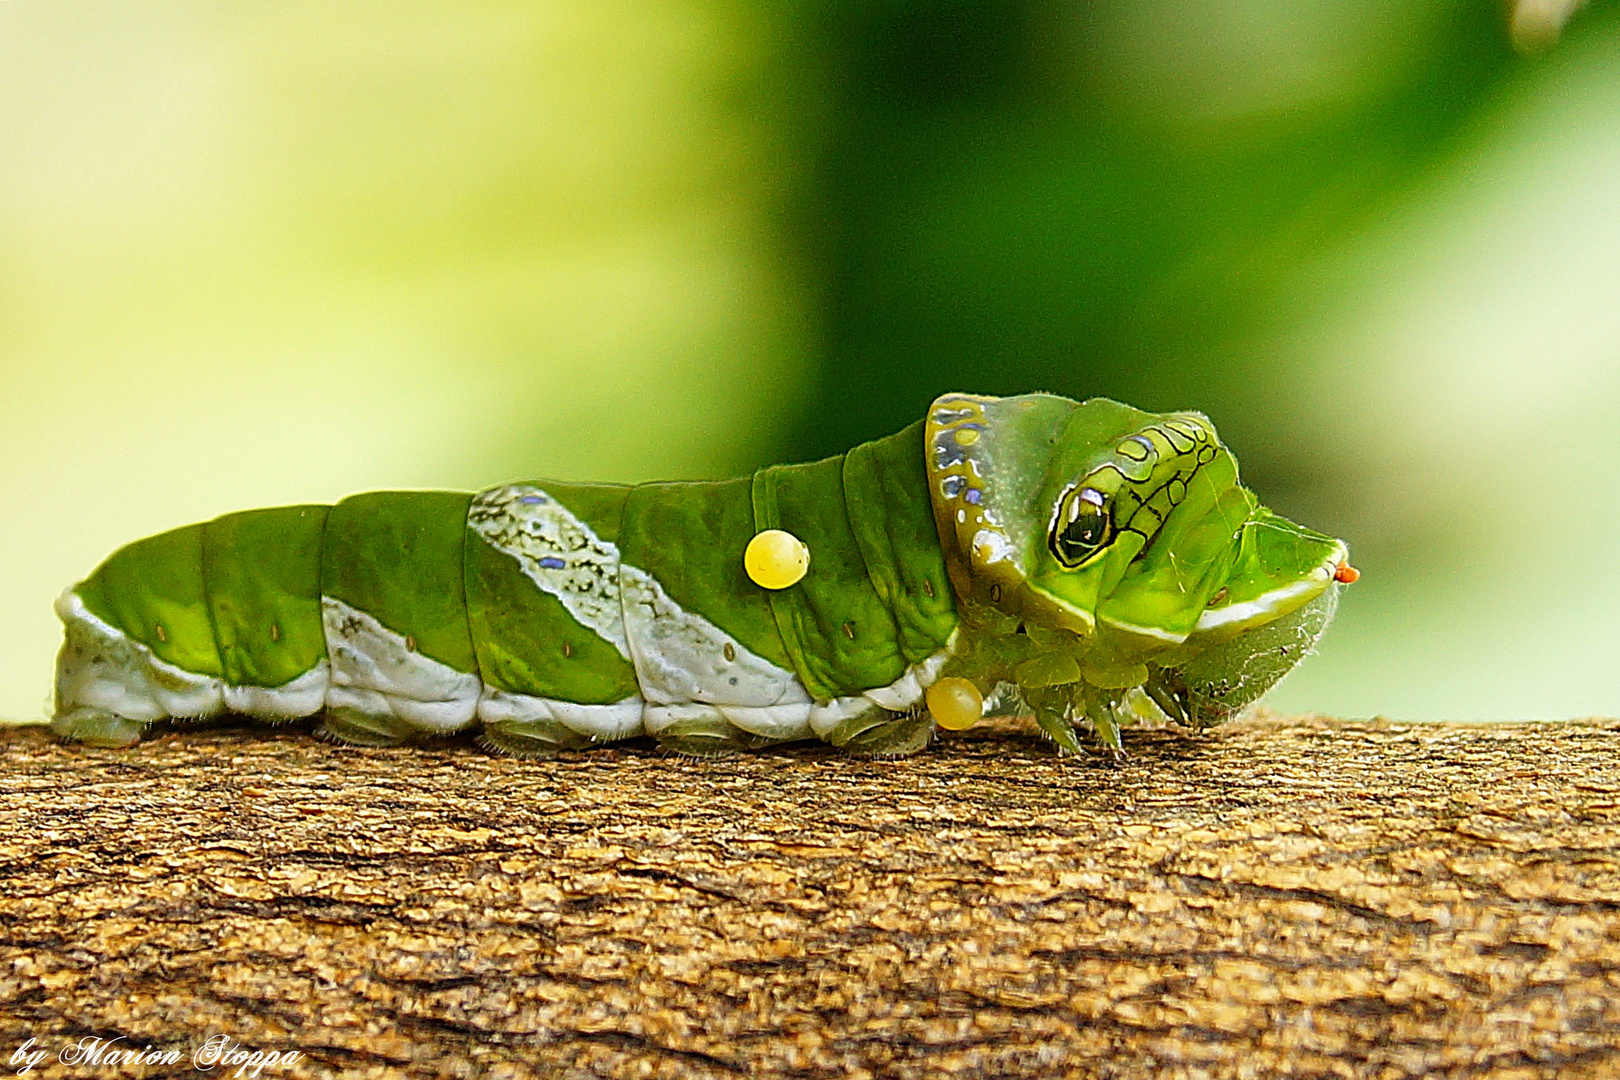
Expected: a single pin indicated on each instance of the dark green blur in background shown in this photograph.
(995, 206)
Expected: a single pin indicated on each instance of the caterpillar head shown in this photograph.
(1124, 540)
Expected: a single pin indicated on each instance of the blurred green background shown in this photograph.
(255, 254)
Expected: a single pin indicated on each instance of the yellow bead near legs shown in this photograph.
(955, 703)
(776, 559)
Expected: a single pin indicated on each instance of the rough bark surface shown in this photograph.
(1280, 898)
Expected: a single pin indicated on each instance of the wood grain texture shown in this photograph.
(1299, 899)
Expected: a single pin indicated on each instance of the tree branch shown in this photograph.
(1298, 898)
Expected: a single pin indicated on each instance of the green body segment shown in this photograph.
(689, 536)
(397, 556)
(262, 576)
(1273, 553)
(834, 622)
(154, 591)
(1170, 595)
(526, 641)
(892, 518)
(1087, 435)
(1003, 454)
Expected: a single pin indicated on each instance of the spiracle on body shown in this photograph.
(1085, 561)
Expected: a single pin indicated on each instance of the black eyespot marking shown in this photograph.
(1083, 526)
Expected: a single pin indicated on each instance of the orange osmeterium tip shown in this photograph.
(1346, 574)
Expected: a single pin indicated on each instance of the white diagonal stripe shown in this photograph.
(557, 551)
(682, 657)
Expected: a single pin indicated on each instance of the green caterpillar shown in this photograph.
(1082, 560)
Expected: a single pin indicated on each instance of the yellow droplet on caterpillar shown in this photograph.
(955, 704)
(776, 559)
